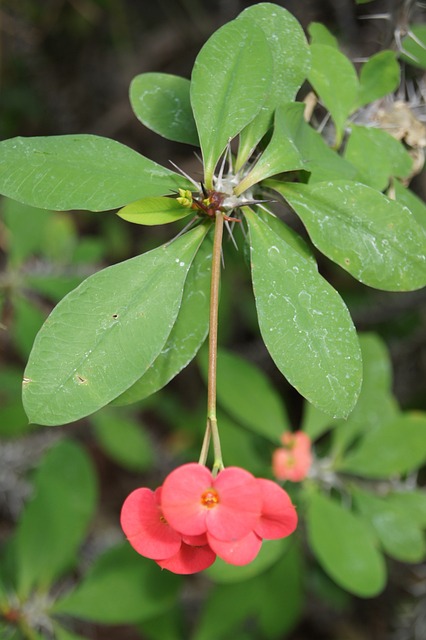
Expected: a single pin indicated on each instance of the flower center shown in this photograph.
(210, 498)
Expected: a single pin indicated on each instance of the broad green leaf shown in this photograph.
(400, 537)
(246, 393)
(228, 86)
(290, 65)
(161, 102)
(412, 503)
(323, 163)
(282, 596)
(169, 624)
(387, 157)
(80, 172)
(13, 421)
(394, 447)
(316, 422)
(120, 588)
(151, 211)
(345, 546)
(375, 404)
(27, 226)
(414, 46)
(223, 573)
(280, 155)
(27, 320)
(124, 439)
(376, 239)
(321, 35)
(379, 76)
(408, 199)
(187, 335)
(105, 334)
(54, 522)
(304, 323)
(335, 81)
(289, 236)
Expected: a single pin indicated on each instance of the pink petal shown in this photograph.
(195, 541)
(148, 533)
(181, 498)
(238, 552)
(239, 507)
(279, 517)
(189, 559)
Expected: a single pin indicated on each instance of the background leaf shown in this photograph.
(228, 86)
(121, 588)
(246, 393)
(304, 323)
(379, 76)
(376, 239)
(102, 337)
(387, 157)
(80, 172)
(55, 520)
(393, 447)
(335, 81)
(345, 547)
(161, 102)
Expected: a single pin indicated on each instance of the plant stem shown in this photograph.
(211, 427)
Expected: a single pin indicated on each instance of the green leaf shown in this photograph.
(321, 35)
(228, 86)
(304, 323)
(223, 573)
(161, 102)
(280, 155)
(64, 634)
(151, 211)
(13, 421)
(394, 447)
(376, 239)
(103, 335)
(379, 76)
(414, 46)
(124, 439)
(408, 199)
(120, 588)
(399, 536)
(375, 403)
(323, 163)
(387, 157)
(246, 393)
(412, 503)
(316, 422)
(27, 320)
(334, 80)
(80, 172)
(286, 233)
(187, 335)
(244, 449)
(54, 522)
(290, 65)
(345, 547)
(27, 226)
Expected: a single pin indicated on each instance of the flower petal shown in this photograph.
(181, 498)
(279, 517)
(239, 507)
(238, 552)
(189, 559)
(148, 533)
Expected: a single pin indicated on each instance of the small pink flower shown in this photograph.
(227, 507)
(293, 461)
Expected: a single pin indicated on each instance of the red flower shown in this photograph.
(194, 516)
(227, 507)
(293, 461)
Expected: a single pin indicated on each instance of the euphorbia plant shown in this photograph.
(129, 329)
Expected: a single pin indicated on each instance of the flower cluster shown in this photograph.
(294, 459)
(194, 517)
